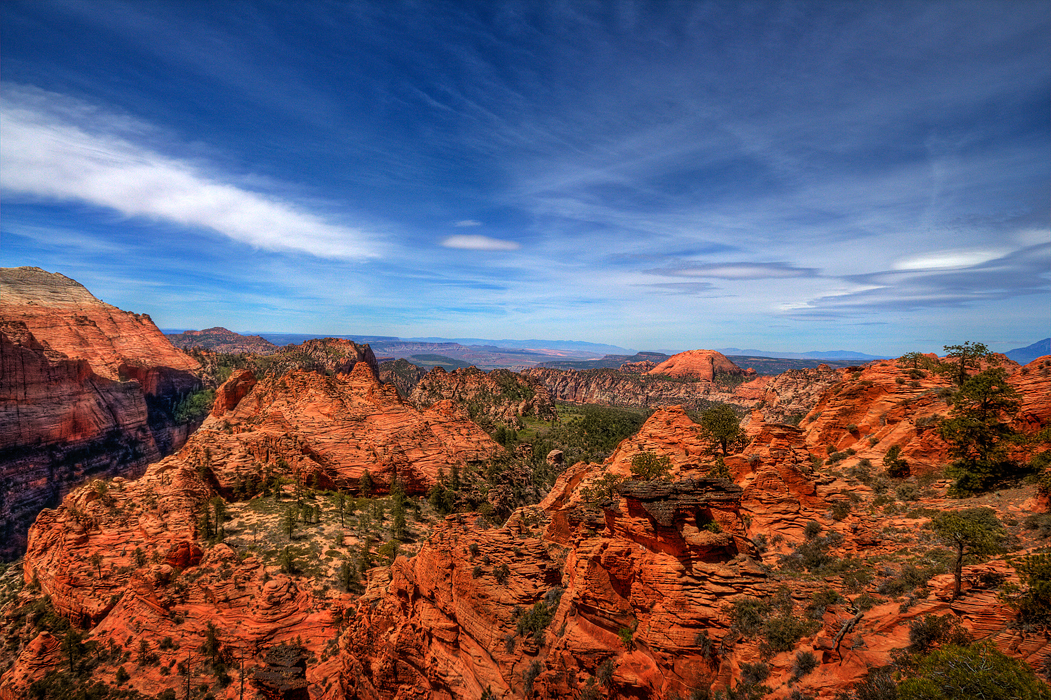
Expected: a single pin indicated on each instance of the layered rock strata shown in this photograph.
(85, 390)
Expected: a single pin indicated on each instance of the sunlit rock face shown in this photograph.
(86, 389)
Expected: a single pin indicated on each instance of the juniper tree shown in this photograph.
(977, 430)
(722, 426)
(365, 483)
(289, 521)
(971, 532)
(963, 357)
(647, 466)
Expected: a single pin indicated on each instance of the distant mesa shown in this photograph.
(220, 339)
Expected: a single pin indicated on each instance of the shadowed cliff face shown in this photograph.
(86, 390)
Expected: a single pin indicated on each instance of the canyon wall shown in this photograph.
(85, 390)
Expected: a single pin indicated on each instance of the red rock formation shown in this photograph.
(614, 388)
(85, 389)
(641, 367)
(876, 407)
(332, 429)
(635, 585)
(122, 559)
(232, 391)
(66, 317)
(497, 397)
(789, 395)
(700, 365)
(1033, 382)
(402, 374)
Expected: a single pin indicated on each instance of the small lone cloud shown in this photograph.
(464, 242)
(467, 222)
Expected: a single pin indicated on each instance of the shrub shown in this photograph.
(705, 646)
(878, 684)
(840, 510)
(896, 466)
(935, 630)
(812, 529)
(501, 573)
(754, 674)
(605, 672)
(820, 601)
(476, 572)
(761, 542)
(907, 579)
(907, 492)
(813, 555)
(1033, 603)
(976, 671)
(535, 620)
(747, 615)
(122, 676)
(627, 637)
(805, 663)
(783, 632)
(529, 676)
(647, 466)
(1040, 522)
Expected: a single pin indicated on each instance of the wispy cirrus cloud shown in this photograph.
(736, 271)
(474, 242)
(55, 148)
(467, 223)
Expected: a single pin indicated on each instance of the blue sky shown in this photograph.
(788, 176)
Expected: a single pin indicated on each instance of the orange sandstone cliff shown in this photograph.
(85, 390)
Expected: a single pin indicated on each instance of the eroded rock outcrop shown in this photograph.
(497, 397)
(330, 429)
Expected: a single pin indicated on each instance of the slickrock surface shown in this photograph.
(879, 407)
(85, 389)
(220, 339)
(331, 429)
(499, 396)
(1033, 382)
(700, 365)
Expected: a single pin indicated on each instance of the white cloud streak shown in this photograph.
(46, 154)
(466, 223)
(465, 242)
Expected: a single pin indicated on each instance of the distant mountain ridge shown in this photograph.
(811, 355)
(1024, 356)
